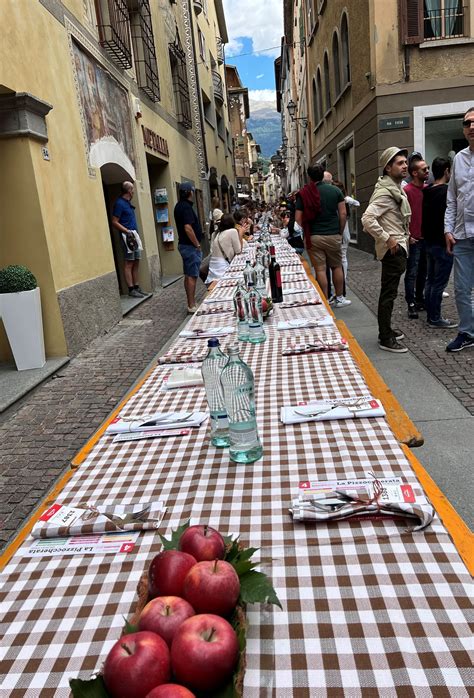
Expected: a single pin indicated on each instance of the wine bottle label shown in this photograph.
(278, 277)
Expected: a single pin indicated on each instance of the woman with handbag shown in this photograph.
(225, 244)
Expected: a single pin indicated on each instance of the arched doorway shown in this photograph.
(113, 175)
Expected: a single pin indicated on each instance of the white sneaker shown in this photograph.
(445, 294)
(332, 299)
(341, 302)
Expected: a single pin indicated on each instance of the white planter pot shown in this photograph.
(21, 315)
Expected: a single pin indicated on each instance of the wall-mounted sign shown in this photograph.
(394, 123)
(155, 142)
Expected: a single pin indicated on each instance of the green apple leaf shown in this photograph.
(173, 542)
(92, 688)
(233, 551)
(128, 628)
(255, 587)
(243, 566)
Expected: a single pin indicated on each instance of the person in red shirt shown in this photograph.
(415, 276)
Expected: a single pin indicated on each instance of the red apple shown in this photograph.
(203, 542)
(204, 652)
(212, 586)
(136, 664)
(264, 305)
(164, 615)
(170, 690)
(167, 572)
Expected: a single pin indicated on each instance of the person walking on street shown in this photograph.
(416, 264)
(189, 241)
(459, 232)
(439, 262)
(387, 219)
(124, 220)
(325, 228)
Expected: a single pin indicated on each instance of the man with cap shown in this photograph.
(386, 219)
(189, 241)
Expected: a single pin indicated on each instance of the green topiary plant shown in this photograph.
(16, 278)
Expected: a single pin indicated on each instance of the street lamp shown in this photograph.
(291, 106)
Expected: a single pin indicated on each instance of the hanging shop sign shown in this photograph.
(155, 142)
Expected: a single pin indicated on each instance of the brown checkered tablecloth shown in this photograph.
(368, 608)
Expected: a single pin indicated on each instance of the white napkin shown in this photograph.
(159, 420)
(303, 322)
(222, 298)
(183, 378)
(323, 410)
(208, 332)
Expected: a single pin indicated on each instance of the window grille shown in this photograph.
(180, 83)
(114, 30)
(144, 50)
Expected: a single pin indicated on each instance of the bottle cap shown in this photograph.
(213, 342)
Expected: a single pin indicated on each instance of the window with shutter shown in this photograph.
(411, 21)
(180, 82)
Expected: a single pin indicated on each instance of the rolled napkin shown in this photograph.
(185, 377)
(305, 322)
(301, 302)
(324, 501)
(323, 410)
(61, 520)
(215, 310)
(159, 420)
(294, 289)
(208, 332)
(317, 345)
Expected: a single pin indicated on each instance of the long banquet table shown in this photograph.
(369, 608)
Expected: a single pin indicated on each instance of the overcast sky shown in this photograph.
(254, 25)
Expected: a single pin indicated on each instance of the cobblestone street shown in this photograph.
(454, 371)
(40, 434)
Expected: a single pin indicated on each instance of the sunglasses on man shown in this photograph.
(468, 123)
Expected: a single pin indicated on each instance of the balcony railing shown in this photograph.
(444, 23)
(218, 87)
(198, 6)
(220, 50)
(113, 24)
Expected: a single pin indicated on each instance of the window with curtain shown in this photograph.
(327, 82)
(346, 67)
(443, 19)
(336, 64)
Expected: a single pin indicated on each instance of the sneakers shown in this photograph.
(420, 306)
(462, 341)
(140, 290)
(398, 334)
(443, 324)
(341, 302)
(135, 294)
(193, 309)
(412, 313)
(332, 299)
(445, 294)
(393, 346)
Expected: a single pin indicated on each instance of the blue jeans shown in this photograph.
(415, 276)
(440, 264)
(464, 283)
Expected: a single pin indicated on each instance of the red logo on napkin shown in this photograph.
(49, 513)
(408, 494)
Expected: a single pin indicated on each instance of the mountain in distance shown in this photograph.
(265, 126)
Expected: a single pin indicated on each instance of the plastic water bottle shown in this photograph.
(249, 274)
(241, 312)
(255, 316)
(239, 398)
(211, 373)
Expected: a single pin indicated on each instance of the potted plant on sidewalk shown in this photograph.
(20, 310)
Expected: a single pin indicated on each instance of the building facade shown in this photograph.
(239, 112)
(105, 91)
(397, 72)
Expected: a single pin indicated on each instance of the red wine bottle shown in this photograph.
(275, 277)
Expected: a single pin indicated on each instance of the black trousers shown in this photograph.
(393, 266)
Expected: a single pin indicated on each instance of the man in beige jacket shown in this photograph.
(386, 219)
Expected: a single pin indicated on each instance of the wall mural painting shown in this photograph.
(104, 103)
